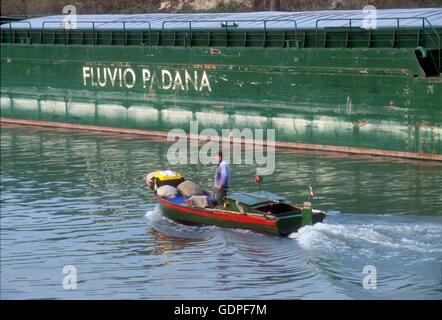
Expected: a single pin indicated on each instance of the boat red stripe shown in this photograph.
(222, 215)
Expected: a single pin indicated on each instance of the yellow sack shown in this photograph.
(167, 175)
(157, 179)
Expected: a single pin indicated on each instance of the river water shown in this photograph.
(78, 199)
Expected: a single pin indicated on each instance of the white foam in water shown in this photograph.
(323, 235)
(310, 237)
(243, 231)
(154, 213)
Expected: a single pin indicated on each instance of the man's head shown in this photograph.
(219, 156)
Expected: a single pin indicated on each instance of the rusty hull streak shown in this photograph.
(278, 144)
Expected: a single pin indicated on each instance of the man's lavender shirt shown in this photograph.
(222, 175)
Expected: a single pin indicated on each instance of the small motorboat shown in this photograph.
(260, 211)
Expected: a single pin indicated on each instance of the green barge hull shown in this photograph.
(339, 86)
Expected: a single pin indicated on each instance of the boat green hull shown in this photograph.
(282, 226)
(367, 98)
(181, 217)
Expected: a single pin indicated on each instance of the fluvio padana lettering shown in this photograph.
(149, 79)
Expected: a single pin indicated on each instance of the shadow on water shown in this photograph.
(78, 198)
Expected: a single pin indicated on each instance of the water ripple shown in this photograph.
(78, 199)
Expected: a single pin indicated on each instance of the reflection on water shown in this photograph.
(78, 198)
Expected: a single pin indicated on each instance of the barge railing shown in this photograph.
(351, 35)
(234, 24)
(396, 31)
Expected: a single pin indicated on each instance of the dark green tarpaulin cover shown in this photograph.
(256, 198)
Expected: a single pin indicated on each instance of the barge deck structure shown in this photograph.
(322, 79)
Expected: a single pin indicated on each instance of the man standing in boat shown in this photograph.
(222, 178)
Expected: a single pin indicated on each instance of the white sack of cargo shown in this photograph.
(167, 191)
(157, 179)
(148, 178)
(189, 188)
(199, 202)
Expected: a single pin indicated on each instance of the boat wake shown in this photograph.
(154, 214)
(423, 238)
(162, 224)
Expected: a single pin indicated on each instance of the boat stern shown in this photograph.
(290, 223)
